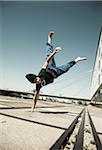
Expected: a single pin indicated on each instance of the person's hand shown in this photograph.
(57, 49)
(30, 110)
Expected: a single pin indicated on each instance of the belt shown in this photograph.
(51, 72)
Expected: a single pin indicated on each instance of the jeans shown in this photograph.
(52, 65)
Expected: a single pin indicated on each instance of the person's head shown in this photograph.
(33, 78)
(37, 80)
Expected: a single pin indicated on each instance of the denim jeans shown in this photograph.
(52, 65)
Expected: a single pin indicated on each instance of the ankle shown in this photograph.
(49, 40)
(50, 34)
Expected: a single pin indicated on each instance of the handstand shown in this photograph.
(49, 69)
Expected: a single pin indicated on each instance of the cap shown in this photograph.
(31, 77)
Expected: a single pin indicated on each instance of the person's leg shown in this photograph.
(49, 47)
(64, 68)
(49, 50)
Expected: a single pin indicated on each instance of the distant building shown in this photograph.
(96, 88)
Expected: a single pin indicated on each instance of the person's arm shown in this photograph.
(35, 98)
(50, 57)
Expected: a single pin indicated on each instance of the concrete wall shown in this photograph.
(97, 70)
(98, 95)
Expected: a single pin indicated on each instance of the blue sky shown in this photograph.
(24, 27)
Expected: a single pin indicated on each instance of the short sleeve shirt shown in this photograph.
(46, 78)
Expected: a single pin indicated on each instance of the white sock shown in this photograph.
(49, 40)
(80, 59)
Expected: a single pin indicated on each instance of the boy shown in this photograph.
(49, 69)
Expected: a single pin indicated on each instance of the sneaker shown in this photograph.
(50, 33)
(80, 59)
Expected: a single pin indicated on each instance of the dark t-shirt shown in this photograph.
(46, 78)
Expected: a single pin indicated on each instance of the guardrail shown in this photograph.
(63, 141)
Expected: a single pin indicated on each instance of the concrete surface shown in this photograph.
(50, 120)
(38, 130)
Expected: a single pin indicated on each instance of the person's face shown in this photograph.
(37, 80)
